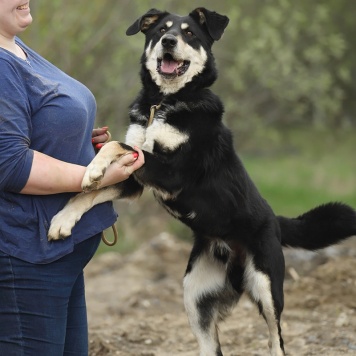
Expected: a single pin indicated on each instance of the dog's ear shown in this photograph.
(145, 21)
(214, 22)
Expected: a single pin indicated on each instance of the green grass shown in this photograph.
(315, 168)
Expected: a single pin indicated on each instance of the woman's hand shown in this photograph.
(120, 170)
(100, 136)
(131, 165)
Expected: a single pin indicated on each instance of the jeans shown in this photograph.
(42, 306)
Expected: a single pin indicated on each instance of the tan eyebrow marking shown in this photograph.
(169, 23)
(184, 26)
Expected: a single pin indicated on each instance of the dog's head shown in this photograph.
(178, 49)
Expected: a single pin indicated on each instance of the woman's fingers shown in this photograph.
(100, 136)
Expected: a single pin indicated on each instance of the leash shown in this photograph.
(116, 235)
(153, 110)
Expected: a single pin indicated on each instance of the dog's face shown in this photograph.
(177, 47)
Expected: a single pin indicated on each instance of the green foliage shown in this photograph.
(287, 61)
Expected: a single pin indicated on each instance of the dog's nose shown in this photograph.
(169, 41)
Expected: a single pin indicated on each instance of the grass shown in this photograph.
(317, 167)
(300, 170)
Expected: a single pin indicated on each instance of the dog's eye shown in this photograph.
(189, 33)
(162, 30)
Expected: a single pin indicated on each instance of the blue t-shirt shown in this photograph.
(42, 109)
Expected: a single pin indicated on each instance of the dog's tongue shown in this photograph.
(169, 66)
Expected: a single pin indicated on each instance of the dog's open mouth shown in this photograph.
(170, 67)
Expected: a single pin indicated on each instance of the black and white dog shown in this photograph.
(195, 174)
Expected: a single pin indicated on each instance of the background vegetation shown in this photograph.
(287, 78)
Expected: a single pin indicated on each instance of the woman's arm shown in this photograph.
(50, 176)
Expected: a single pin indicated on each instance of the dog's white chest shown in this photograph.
(159, 132)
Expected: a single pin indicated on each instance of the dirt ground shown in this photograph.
(135, 305)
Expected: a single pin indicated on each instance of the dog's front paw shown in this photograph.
(92, 177)
(61, 227)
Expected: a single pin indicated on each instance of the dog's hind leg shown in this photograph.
(263, 281)
(208, 294)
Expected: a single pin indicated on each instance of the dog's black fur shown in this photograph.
(195, 174)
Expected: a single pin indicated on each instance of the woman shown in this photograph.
(46, 129)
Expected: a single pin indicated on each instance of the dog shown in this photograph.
(195, 174)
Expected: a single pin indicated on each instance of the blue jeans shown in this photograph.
(42, 307)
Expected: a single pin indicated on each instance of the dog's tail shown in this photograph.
(320, 227)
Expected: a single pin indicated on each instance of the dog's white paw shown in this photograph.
(93, 176)
(61, 226)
